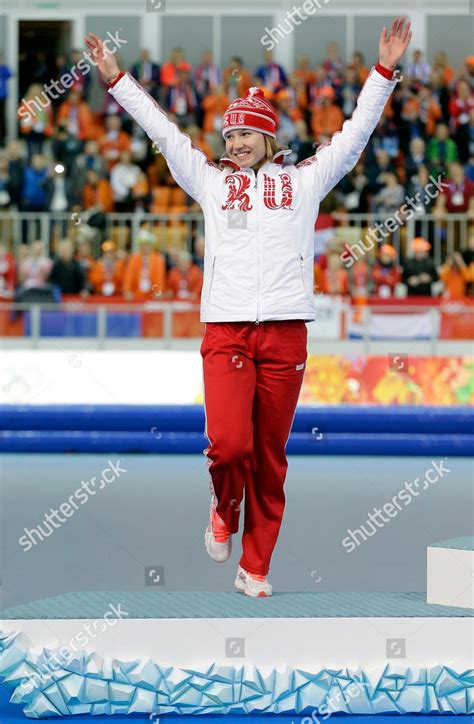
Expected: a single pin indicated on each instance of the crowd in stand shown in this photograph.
(73, 159)
(148, 274)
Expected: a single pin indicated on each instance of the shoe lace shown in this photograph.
(256, 576)
(219, 529)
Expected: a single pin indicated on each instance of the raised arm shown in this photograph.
(337, 157)
(189, 165)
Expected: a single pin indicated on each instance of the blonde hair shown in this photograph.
(271, 147)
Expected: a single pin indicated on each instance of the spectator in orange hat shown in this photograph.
(386, 273)
(419, 271)
(76, 116)
(114, 141)
(185, 279)
(327, 118)
(145, 275)
(106, 275)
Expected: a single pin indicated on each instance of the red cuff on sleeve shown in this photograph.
(386, 72)
(120, 75)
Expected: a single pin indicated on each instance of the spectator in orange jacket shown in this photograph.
(333, 279)
(303, 71)
(361, 70)
(386, 273)
(169, 70)
(430, 110)
(35, 119)
(97, 193)
(196, 136)
(77, 115)
(237, 80)
(213, 106)
(441, 68)
(326, 118)
(145, 275)
(114, 141)
(185, 279)
(107, 274)
(455, 275)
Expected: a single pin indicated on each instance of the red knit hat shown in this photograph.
(253, 112)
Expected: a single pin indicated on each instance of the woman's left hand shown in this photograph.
(393, 44)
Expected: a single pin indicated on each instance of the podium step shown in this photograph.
(450, 573)
(109, 653)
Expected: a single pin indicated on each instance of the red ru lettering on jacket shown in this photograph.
(269, 191)
(238, 184)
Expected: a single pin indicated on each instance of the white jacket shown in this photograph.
(259, 228)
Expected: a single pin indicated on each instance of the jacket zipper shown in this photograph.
(302, 271)
(258, 252)
(212, 278)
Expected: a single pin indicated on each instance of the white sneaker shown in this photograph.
(251, 586)
(217, 538)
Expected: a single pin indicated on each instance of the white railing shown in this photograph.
(24, 227)
(447, 232)
(101, 313)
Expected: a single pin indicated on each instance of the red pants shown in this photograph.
(252, 378)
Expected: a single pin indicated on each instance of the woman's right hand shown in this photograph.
(105, 60)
